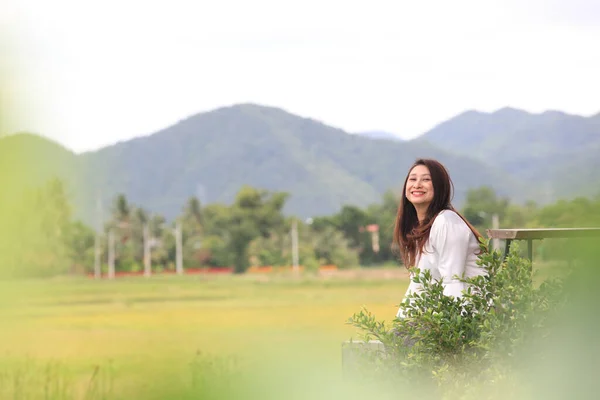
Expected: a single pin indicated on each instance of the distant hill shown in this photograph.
(502, 133)
(28, 160)
(380, 135)
(216, 152)
(212, 154)
(534, 147)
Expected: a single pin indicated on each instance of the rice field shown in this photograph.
(263, 336)
(184, 337)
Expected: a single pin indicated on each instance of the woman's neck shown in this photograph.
(421, 213)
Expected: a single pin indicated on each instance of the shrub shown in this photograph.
(463, 347)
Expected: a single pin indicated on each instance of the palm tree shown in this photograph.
(193, 230)
(121, 226)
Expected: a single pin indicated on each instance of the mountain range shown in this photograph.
(555, 153)
(524, 156)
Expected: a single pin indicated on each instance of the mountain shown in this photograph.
(574, 173)
(28, 160)
(379, 135)
(538, 148)
(214, 153)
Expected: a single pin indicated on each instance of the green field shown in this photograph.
(137, 337)
(169, 337)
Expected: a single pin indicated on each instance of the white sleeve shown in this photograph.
(451, 245)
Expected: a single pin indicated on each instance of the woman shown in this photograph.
(431, 234)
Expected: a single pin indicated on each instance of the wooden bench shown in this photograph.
(538, 234)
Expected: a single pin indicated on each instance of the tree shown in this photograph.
(254, 213)
(351, 221)
(127, 223)
(80, 244)
(214, 245)
(274, 250)
(193, 213)
(121, 210)
(481, 204)
(384, 215)
(214, 251)
(139, 219)
(161, 240)
(192, 232)
(578, 212)
(35, 231)
(227, 231)
(332, 248)
(120, 224)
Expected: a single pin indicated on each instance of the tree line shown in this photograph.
(41, 236)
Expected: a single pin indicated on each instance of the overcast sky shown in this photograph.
(92, 73)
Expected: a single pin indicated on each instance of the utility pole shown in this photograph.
(495, 225)
(295, 245)
(178, 249)
(97, 248)
(97, 271)
(111, 254)
(147, 254)
(374, 230)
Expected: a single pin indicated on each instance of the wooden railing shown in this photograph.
(538, 234)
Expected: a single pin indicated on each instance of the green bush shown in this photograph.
(470, 346)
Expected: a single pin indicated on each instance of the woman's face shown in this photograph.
(419, 188)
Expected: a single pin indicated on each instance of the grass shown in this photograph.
(187, 337)
(95, 338)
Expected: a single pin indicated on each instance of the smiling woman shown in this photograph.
(431, 234)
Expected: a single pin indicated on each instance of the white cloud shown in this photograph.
(111, 70)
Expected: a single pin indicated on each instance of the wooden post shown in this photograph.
(147, 254)
(495, 225)
(111, 254)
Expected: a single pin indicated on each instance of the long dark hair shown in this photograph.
(410, 236)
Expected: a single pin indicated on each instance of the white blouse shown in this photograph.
(450, 250)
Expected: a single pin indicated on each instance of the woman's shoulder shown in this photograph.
(448, 218)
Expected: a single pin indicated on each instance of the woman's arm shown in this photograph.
(450, 238)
